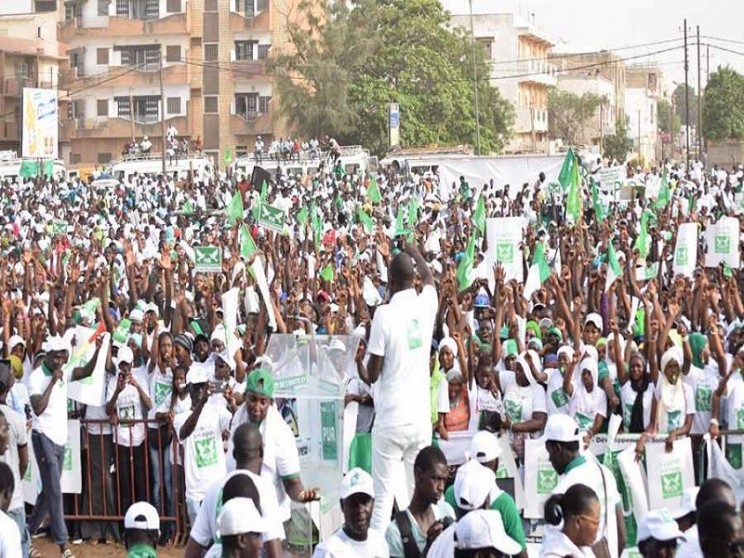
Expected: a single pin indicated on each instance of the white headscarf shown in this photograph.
(672, 395)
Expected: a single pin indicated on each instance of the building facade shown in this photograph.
(644, 89)
(603, 122)
(518, 52)
(137, 66)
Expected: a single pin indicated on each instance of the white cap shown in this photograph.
(197, 374)
(659, 525)
(688, 503)
(481, 529)
(473, 485)
(356, 481)
(142, 515)
(55, 343)
(239, 516)
(136, 315)
(484, 447)
(16, 340)
(546, 323)
(152, 307)
(561, 428)
(595, 319)
(124, 354)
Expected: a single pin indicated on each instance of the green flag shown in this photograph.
(538, 273)
(400, 228)
(479, 216)
(315, 224)
(413, 212)
(665, 193)
(247, 245)
(465, 267)
(614, 271)
(566, 175)
(641, 241)
(573, 199)
(261, 200)
(373, 192)
(302, 215)
(366, 220)
(327, 273)
(598, 209)
(188, 208)
(234, 210)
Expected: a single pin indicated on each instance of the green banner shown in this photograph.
(207, 259)
(329, 430)
(271, 217)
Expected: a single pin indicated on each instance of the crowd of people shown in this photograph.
(188, 432)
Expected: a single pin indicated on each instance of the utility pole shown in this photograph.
(699, 101)
(162, 113)
(475, 81)
(687, 108)
(639, 139)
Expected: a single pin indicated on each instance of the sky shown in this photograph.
(587, 25)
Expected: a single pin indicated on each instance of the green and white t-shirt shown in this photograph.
(557, 398)
(703, 381)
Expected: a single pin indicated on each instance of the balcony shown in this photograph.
(247, 69)
(12, 87)
(106, 128)
(174, 74)
(259, 22)
(118, 26)
(538, 71)
(526, 118)
(255, 124)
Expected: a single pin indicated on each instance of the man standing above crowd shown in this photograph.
(399, 362)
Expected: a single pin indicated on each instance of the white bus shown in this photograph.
(201, 167)
(10, 167)
(354, 158)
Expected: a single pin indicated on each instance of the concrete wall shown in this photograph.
(726, 154)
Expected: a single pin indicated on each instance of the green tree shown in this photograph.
(723, 113)
(568, 114)
(669, 122)
(341, 72)
(679, 104)
(618, 145)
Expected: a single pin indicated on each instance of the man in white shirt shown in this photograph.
(16, 454)
(48, 393)
(399, 362)
(128, 400)
(355, 538)
(10, 540)
(200, 433)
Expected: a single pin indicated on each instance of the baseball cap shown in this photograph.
(659, 525)
(546, 323)
(688, 503)
(239, 516)
(143, 516)
(484, 447)
(561, 428)
(595, 319)
(136, 315)
(260, 382)
(481, 529)
(473, 485)
(356, 481)
(197, 374)
(124, 354)
(16, 340)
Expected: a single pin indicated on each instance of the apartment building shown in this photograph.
(518, 51)
(604, 120)
(207, 57)
(643, 91)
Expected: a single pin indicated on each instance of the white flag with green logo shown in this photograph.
(504, 235)
(669, 473)
(723, 243)
(614, 271)
(686, 250)
(539, 478)
(207, 259)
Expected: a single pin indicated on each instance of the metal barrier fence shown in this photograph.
(116, 473)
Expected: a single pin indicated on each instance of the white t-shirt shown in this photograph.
(340, 545)
(204, 530)
(627, 400)
(10, 542)
(735, 405)
(522, 402)
(584, 406)
(129, 407)
(676, 416)
(53, 421)
(203, 453)
(401, 333)
(703, 381)
(557, 399)
(18, 437)
(161, 387)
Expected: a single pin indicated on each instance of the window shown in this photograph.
(102, 107)
(487, 46)
(173, 6)
(102, 56)
(210, 5)
(244, 50)
(75, 158)
(145, 57)
(138, 9)
(103, 7)
(262, 5)
(211, 52)
(263, 104)
(104, 158)
(263, 51)
(211, 105)
(173, 105)
(46, 6)
(246, 104)
(246, 8)
(173, 53)
(143, 109)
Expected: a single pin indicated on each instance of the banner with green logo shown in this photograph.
(207, 259)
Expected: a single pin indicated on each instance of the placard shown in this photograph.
(207, 259)
(685, 250)
(723, 243)
(505, 235)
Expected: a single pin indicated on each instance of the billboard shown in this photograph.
(40, 123)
